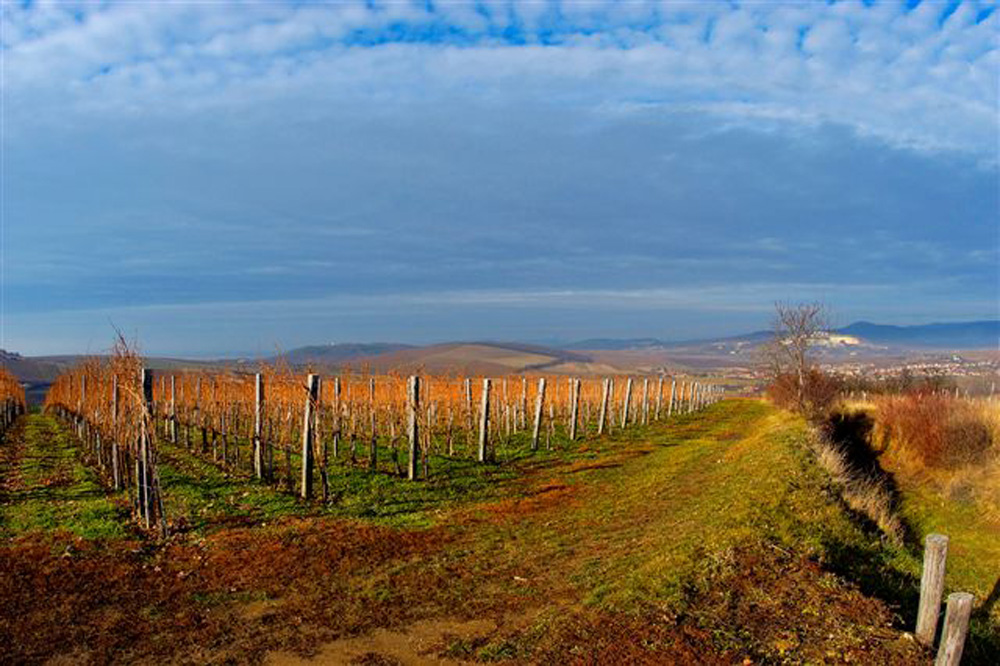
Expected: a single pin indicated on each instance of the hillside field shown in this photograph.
(711, 537)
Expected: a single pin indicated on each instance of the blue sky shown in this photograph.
(221, 177)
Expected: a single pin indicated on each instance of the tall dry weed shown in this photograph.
(934, 430)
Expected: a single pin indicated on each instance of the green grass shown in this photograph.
(699, 487)
(650, 518)
(47, 487)
(973, 558)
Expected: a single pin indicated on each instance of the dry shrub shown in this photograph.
(819, 393)
(934, 429)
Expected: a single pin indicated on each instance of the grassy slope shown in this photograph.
(970, 519)
(973, 552)
(700, 536)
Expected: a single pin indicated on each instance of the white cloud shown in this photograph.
(883, 70)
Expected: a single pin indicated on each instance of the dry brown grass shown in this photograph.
(862, 492)
(935, 430)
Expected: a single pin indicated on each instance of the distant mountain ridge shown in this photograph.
(962, 335)
(983, 334)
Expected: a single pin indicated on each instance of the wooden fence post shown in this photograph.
(337, 420)
(173, 409)
(659, 398)
(373, 446)
(413, 429)
(484, 421)
(603, 417)
(931, 587)
(956, 626)
(308, 433)
(645, 401)
(468, 405)
(575, 411)
(145, 433)
(627, 403)
(539, 402)
(258, 425)
(115, 471)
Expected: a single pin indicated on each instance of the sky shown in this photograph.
(234, 178)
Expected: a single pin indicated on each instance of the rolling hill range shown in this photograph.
(860, 340)
(474, 358)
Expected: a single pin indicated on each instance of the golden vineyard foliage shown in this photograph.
(12, 402)
(258, 422)
(11, 389)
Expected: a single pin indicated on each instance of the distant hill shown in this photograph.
(962, 335)
(474, 358)
(613, 344)
(31, 369)
(339, 353)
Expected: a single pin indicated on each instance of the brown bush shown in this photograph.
(819, 393)
(936, 429)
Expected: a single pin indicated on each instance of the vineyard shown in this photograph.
(288, 430)
(12, 402)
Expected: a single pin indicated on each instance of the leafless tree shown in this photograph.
(796, 327)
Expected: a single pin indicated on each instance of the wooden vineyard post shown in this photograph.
(524, 403)
(575, 410)
(931, 587)
(673, 393)
(956, 626)
(373, 447)
(626, 404)
(645, 401)
(468, 406)
(603, 417)
(336, 417)
(173, 409)
(115, 471)
(484, 422)
(413, 430)
(308, 435)
(659, 398)
(539, 404)
(258, 425)
(143, 489)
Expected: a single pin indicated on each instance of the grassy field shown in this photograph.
(712, 537)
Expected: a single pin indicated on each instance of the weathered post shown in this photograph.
(258, 425)
(673, 395)
(524, 403)
(145, 433)
(659, 398)
(373, 449)
(308, 434)
(484, 422)
(575, 410)
(603, 417)
(539, 403)
(956, 626)
(627, 403)
(931, 587)
(468, 406)
(115, 471)
(337, 420)
(645, 401)
(412, 412)
(173, 409)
